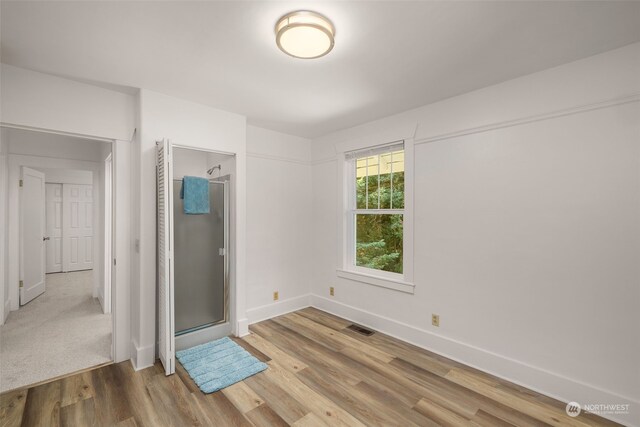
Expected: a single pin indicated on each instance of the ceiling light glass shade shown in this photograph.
(305, 34)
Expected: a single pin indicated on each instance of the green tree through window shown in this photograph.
(379, 212)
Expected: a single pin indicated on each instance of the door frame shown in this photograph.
(105, 299)
(232, 225)
(16, 161)
(121, 243)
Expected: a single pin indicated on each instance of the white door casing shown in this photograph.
(166, 323)
(53, 218)
(122, 252)
(108, 233)
(77, 228)
(32, 230)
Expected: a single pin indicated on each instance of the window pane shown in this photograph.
(397, 180)
(379, 181)
(385, 181)
(361, 188)
(397, 190)
(379, 242)
(372, 185)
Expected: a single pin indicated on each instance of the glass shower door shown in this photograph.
(199, 262)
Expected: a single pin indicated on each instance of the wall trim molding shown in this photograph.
(7, 309)
(324, 160)
(100, 298)
(540, 380)
(278, 158)
(56, 132)
(268, 311)
(242, 326)
(396, 285)
(610, 102)
(142, 357)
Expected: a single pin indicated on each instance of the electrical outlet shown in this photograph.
(435, 319)
(331, 292)
(275, 296)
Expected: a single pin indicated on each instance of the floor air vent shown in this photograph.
(361, 330)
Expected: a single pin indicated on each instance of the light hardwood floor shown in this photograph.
(320, 374)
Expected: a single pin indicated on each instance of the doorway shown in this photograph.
(61, 319)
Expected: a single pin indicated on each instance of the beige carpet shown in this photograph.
(61, 331)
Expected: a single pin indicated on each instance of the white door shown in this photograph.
(32, 230)
(53, 215)
(166, 323)
(77, 227)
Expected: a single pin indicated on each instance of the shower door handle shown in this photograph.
(222, 251)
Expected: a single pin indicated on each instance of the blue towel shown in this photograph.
(218, 364)
(195, 193)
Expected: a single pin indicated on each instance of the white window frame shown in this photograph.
(347, 268)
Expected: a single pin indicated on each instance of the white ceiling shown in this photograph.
(389, 56)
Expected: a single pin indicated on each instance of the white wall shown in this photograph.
(527, 199)
(41, 144)
(198, 126)
(38, 100)
(279, 216)
(67, 176)
(196, 163)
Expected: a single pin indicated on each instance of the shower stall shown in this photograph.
(193, 249)
(199, 246)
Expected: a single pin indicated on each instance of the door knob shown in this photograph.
(45, 238)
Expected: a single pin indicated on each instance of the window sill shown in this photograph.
(396, 285)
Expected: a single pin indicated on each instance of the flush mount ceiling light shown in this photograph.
(305, 34)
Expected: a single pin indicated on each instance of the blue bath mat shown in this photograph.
(219, 364)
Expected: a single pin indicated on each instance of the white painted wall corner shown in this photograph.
(279, 308)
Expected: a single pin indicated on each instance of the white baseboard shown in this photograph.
(242, 327)
(540, 380)
(142, 357)
(101, 301)
(269, 311)
(133, 351)
(7, 309)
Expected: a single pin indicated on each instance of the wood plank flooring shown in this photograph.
(320, 374)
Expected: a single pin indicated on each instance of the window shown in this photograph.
(375, 214)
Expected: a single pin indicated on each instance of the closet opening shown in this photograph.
(195, 199)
